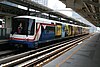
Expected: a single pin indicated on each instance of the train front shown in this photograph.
(19, 34)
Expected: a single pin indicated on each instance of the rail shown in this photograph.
(42, 55)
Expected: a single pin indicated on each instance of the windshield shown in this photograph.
(0, 22)
(20, 26)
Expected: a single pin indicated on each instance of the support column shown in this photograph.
(8, 24)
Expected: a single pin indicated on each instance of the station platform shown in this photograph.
(86, 54)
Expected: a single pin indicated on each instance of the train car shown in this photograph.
(2, 23)
(29, 31)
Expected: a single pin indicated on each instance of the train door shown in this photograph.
(63, 30)
(58, 30)
(67, 30)
(71, 30)
(83, 30)
(75, 30)
(79, 30)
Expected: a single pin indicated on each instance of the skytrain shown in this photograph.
(2, 23)
(29, 31)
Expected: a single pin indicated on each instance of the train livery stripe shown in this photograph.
(48, 24)
(37, 32)
(17, 38)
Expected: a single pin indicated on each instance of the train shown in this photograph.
(2, 23)
(29, 31)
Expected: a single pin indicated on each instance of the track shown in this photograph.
(41, 56)
(8, 53)
(7, 50)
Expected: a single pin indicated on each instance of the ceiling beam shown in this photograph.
(92, 3)
(1, 0)
(89, 9)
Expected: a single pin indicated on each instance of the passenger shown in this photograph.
(20, 28)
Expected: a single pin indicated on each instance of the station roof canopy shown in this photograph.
(35, 6)
(89, 9)
(32, 5)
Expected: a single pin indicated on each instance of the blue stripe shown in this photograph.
(29, 44)
(47, 35)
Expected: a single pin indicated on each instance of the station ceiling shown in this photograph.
(89, 9)
(30, 4)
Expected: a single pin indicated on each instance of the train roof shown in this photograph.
(32, 17)
(37, 18)
(46, 20)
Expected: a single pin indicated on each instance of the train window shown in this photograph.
(50, 28)
(31, 27)
(20, 26)
(0, 22)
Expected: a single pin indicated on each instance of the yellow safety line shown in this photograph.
(57, 65)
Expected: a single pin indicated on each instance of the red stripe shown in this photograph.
(17, 39)
(37, 32)
(21, 39)
(48, 24)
